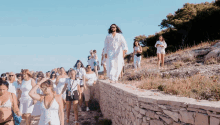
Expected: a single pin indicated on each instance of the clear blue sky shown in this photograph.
(43, 34)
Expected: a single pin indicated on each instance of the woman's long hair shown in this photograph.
(82, 66)
(48, 83)
(162, 38)
(118, 30)
(134, 43)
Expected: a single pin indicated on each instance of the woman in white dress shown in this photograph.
(26, 102)
(90, 80)
(160, 45)
(53, 77)
(60, 82)
(73, 88)
(36, 110)
(51, 104)
(137, 54)
(12, 83)
(80, 73)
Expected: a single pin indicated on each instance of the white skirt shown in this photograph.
(26, 106)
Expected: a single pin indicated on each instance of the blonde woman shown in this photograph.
(160, 45)
(73, 87)
(26, 102)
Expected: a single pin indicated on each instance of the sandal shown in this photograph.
(67, 121)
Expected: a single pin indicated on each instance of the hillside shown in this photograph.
(193, 72)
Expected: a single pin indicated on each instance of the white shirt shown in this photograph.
(91, 79)
(80, 73)
(12, 87)
(71, 84)
(161, 49)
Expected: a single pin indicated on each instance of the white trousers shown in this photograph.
(137, 61)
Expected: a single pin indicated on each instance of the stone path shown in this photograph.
(93, 117)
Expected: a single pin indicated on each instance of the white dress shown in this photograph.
(114, 47)
(161, 49)
(60, 87)
(104, 59)
(49, 115)
(26, 102)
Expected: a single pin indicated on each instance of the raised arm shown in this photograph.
(33, 94)
(106, 46)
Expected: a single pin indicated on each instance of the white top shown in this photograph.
(136, 48)
(92, 78)
(12, 87)
(95, 55)
(60, 85)
(80, 73)
(25, 88)
(7, 104)
(159, 49)
(54, 81)
(72, 85)
(91, 63)
(49, 115)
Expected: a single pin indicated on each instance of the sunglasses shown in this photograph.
(19, 77)
(113, 27)
(89, 67)
(11, 75)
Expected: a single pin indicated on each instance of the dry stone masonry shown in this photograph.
(125, 105)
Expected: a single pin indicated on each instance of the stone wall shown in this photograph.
(126, 105)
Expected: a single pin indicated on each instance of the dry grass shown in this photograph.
(212, 61)
(198, 87)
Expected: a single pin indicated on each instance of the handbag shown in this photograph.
(17, 119)
(76, 96)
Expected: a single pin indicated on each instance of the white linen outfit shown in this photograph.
(114, 47)
(12, 88)
(137, 60)
(50, 115)
(26, 102)
(89, 89)
(79, 75)
(161, 49)
(60, 87)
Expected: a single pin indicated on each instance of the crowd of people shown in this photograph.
(47, 95)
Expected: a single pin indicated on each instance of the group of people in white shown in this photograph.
(30, 94)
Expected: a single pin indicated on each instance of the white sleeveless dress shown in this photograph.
(60, 87)
(49, 115)
(26, 102)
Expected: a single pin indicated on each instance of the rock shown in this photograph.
(201, 119)
(163, 107)
(145, 123)
(213, 54)
(167, 120)
(187, 117)
(173, 115)
(150, 114)
(202, 51)
(142, 111)
(159, 113)
(156, 122)
(214, 121)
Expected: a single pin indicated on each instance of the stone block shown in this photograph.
(162, 106)
(167, 120)
(173, 115)
(142, 111)
(150, 114)
(156, 122)
(187, 117)
(139, 115)
(134, 111)
(145, 123)
(136, 108)
(159, 113)
(150, 107)
(214, 121)
(144, 119)
(201, 119)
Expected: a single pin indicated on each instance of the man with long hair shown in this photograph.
(115, 48)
